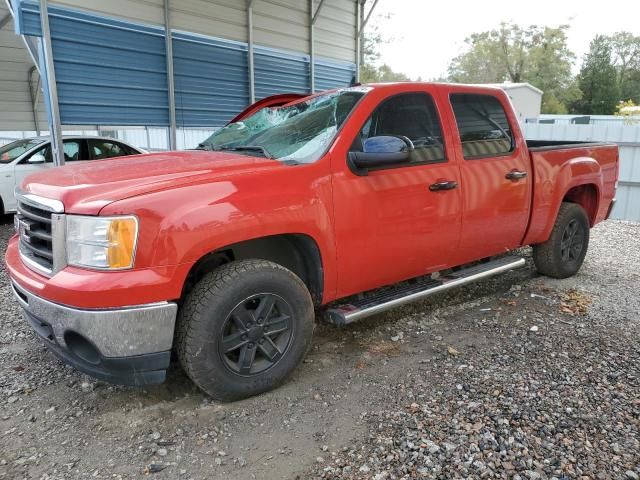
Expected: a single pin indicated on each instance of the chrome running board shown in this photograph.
(391, 297)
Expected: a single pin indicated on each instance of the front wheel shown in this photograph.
(562, 255)
(244, 328)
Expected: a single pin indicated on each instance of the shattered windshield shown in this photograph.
(298, 133)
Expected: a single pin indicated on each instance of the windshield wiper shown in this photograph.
(248, 148)
(203, 146)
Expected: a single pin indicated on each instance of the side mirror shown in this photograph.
(36, 158)
(381, 151)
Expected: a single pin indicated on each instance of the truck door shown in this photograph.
(495, 175)
(390, 226)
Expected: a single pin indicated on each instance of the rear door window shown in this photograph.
(483, 125)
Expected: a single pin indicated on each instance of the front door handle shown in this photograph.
(515, 175)
(443, 185)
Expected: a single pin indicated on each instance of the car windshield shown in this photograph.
(13, 150)
(298, 133)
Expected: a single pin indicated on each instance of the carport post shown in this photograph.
(171, 93)
(51, 92)
(361, 23)
(358, 42)
(252, 80)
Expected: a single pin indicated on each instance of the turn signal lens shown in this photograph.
(122, 241)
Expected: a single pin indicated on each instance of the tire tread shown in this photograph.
(545, 254)
(191, 317)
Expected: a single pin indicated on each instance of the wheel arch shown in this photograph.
(587, 196)
(297, 252)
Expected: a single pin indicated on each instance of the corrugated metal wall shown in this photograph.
(15, 101)
(330, 74)
(335, 30)
(278, 71)
(112, 71)
(282, 24)
(110, 68)
(211, 81)
(628, 139)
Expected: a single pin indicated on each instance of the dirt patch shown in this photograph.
(372, 398)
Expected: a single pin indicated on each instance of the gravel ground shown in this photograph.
(519, 376)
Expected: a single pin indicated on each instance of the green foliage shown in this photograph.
(383, 73)
(629, 111)
(371, 71)
(625, 48)
(537, 55)
(598, 80)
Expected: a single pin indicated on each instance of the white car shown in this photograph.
(22, 157)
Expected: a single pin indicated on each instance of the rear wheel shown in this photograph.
(562, 255)
(244, 328)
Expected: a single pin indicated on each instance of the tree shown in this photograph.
(538, 55)
(598, 80)
(371, 70)
(625, 49)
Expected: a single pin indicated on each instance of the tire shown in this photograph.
(226, 309)
(562, 255)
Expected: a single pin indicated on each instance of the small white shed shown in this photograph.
(526, 99)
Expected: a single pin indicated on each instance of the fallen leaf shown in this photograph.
(574, 302)
(452, 351)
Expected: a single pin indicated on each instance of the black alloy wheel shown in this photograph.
(256, 334)
(572, 242)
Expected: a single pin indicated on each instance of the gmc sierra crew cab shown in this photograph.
(301, 204)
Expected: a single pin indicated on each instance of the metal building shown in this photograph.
(526, 99)
(168, 65)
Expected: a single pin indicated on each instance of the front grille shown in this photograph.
(36, 223)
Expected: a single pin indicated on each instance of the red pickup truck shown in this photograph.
(225, 253)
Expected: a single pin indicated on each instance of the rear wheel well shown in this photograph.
(587, 197)
(296, 252)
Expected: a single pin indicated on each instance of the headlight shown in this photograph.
(101, 242)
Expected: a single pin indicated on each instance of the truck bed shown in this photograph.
(560, 165)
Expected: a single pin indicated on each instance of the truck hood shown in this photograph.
(87, 187)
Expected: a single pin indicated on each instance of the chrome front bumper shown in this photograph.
(130, 345)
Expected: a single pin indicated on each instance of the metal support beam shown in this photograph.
(29, 42)
(34, 94)
(53, 112)
(171, 92)
(250, 59)
(366, 20)
(357, 39)
(5, 20)
(313, 17)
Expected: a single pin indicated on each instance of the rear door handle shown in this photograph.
(443, 185)
(515, 175)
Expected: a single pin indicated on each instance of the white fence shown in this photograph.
(628, 139)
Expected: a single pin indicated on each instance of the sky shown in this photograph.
(424, 35)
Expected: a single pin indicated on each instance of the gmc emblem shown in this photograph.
(24, 227)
